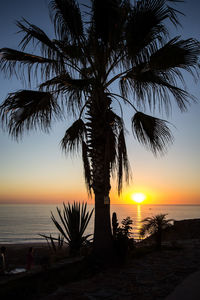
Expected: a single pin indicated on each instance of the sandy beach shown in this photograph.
(16, 254)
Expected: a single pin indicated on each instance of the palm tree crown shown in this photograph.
(155, 226)
(106, 42)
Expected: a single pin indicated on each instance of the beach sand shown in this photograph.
(17, 255)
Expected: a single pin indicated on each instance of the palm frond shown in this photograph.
(38, 36)
(87, 167)
(74, 136)
(145, 25)
(26, 110)
(114, 126)
(155, 88)
(67, 20)
(13, 62)
(114, 120)
(66, 83)
(157, 223)
(176, 54)
(110, 147)
(152, 132)
(108, 17)
(72, 90)
(70, 50)
(122, 163)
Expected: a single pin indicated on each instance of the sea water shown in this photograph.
(22, 223)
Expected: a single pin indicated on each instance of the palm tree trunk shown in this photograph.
(100, 163)
(103, 242)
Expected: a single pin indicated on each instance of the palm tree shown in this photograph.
(155, 226)
(106, 42)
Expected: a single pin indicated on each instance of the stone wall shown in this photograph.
(183, 230)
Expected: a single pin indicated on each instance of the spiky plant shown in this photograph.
(72, 223)
(107, 42)
(54, 244)
(155, 226)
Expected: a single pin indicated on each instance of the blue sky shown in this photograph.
(35, 169)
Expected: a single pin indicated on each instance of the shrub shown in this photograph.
(121, 236)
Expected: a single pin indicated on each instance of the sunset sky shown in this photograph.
(35, 170)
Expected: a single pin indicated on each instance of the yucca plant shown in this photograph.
(73, 221)
(155, 226)
(55, 244)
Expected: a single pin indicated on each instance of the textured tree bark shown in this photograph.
(103, 242)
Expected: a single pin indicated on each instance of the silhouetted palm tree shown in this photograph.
(155, 226)
(112, 41)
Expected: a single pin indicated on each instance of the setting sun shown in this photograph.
(138, 197)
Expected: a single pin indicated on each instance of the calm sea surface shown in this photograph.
(23, 223)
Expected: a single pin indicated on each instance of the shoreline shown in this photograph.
(17, 254)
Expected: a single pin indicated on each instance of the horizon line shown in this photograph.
(58, 203)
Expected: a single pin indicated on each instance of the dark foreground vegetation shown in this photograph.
(144, 273)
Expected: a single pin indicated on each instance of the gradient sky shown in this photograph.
(35, 170)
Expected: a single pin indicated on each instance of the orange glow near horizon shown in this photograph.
(21, 193)
(45, 193)
(157, 196)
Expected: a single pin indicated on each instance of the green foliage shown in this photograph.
(73, 222)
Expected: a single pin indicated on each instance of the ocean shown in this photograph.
(22, 223)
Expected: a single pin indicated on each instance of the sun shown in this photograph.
(138, 197)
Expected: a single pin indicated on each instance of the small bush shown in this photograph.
(121, 236)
